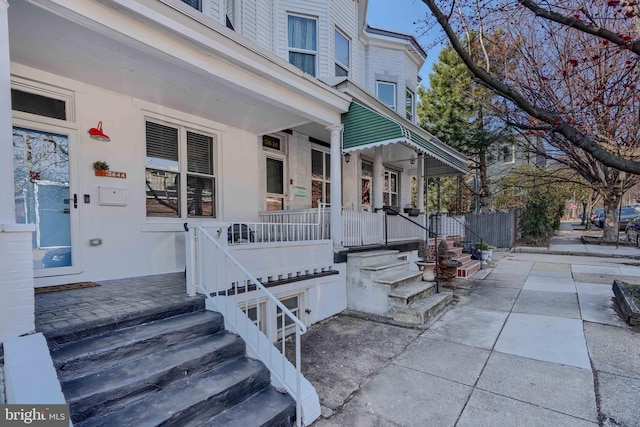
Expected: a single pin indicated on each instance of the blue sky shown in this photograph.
(402, 15)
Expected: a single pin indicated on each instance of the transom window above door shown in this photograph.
(178, 186)
(303, 42)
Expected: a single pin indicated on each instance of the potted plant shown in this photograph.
(100, 167)
(426, 264)
(411, 211)
(482, 251)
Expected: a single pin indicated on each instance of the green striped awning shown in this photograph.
(365, 128)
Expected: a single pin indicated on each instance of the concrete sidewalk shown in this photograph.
(536, 342)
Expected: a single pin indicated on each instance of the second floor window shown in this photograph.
(409, 105)
(508, 154)
(193, 3)
(386, 93)
(303, 43)
(342, 54)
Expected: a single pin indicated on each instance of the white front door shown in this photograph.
(45, 196)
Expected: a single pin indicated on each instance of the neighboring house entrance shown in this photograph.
(43, 197)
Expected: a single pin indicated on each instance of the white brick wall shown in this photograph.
(17, 315)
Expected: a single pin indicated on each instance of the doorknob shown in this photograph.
(75, 201)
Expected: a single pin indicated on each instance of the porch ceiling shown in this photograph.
(365, 128)
(191, 78)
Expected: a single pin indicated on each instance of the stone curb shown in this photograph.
(547, 251)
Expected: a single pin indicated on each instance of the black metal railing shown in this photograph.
(430, 233)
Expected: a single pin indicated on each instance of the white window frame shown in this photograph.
(281, 156)
(508, 153)
(410, 114)
(326, 165)
(385, 83)
(386, 189)
(338, 64)
(314, 52)
(182, 169)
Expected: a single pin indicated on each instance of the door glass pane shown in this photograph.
(316, 193)
(41, 177)
(275, 176)
(366, 192)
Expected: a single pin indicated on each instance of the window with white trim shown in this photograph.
(293, 304)
(386, 92)
(178, 186)
(508, 154)
(342, 54)
(410, 105)
(196, 4)
(303, 42)
(320, 177)
(391, 192)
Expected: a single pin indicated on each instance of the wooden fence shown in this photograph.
(499, 229)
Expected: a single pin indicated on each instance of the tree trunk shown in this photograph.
(611, 203)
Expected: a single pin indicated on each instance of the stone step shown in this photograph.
(419, 312)
(267, 408)
(109, 323)
(399, 278)
(463, 258)
(377, 270)
(79, 358)
(194, 400)
(359, 259)
(412, 292)
(127, 382)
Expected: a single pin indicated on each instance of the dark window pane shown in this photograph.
(304, 61)
(316, 193)
(193, 3)
(38, 104)
(275, 203)
(199, 153)
(317, 167)
(275, 176)
(200, 196)
(341, 72)
(162, 191)
(327, 165)
(302, 33)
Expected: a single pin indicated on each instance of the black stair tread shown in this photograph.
(204, 395)
(119, 343)
(265, 408)
(150, 372)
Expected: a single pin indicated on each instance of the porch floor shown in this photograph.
(114, 301)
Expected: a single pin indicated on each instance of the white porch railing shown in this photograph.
(236, 293)
(365, 228)
(302, 217)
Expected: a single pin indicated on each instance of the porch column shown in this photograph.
(378, 179)
(7, 207)
(17, 305)
(420, 182)
(336, 185)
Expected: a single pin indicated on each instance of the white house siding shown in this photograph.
(249, 19)
(264, 23)
(133, 244)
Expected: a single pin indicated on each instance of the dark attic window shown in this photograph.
(37, 104)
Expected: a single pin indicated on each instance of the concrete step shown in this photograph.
(267, 408)
(412, 292)
(377, 270)
(359, 259)
(82, 357)
(122, 384)
(395, 279)
(194, 400)
(419, 312)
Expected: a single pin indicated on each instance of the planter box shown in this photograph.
(630, 310)
(412, 211)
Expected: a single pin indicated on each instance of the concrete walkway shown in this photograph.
(536, 342)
